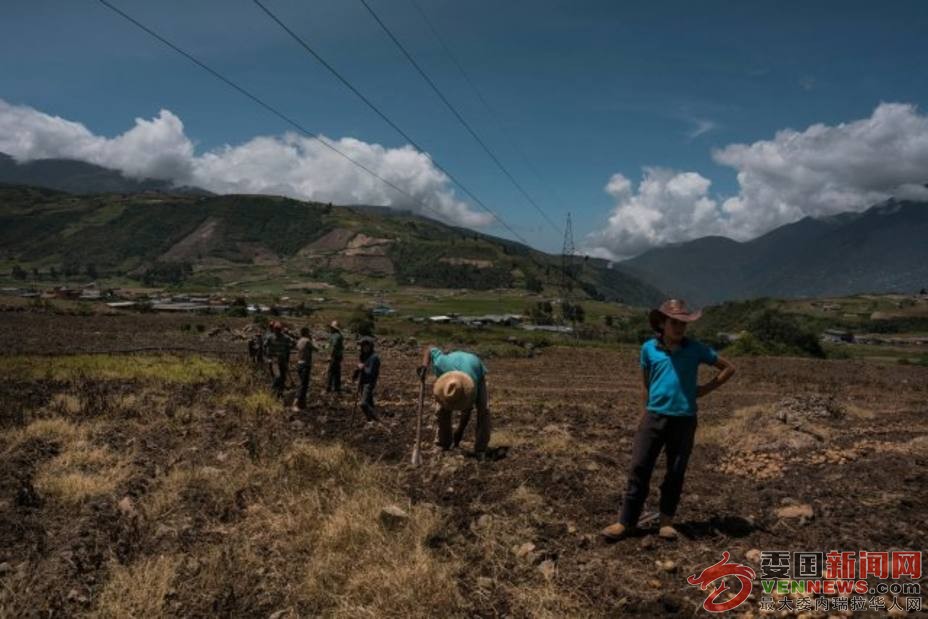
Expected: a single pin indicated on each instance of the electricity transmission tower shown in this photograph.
(567, 260)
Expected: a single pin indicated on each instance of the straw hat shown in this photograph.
(672, 308)
(455, 391)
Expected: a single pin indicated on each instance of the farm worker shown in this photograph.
(461, 386)
(669, 364)
(367, 373)
(277, 348)
(336, 351)
(256, 349)
(304, 362)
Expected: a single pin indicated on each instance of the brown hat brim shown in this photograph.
(656, 317)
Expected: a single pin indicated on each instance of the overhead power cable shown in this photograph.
(460, 118)
(273, 110)
(306, 46)
(309, 49)
(486, 104)
(270, 108)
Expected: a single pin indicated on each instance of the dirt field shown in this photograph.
(154, 485)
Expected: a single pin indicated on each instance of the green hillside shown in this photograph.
(204, 241)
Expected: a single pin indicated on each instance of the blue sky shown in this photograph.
(587, 90)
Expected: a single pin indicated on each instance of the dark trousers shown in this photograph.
(335, 376)
(302, 370)
(367, 401)
(280, 380)
(673, 434)
(482, 440)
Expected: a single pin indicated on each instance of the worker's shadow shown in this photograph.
(492, 454)
(729, 526)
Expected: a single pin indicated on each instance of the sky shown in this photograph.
(651, 123)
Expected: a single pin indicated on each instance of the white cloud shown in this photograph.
(701, 126)
(827, 169)
(289, 164)
(155, 148)
(666, 207)
(817, 172)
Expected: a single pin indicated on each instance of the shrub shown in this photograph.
(167, 273)
(747, 345)
(782, 333)
(361, 321)
(533, 284)
(237, 311)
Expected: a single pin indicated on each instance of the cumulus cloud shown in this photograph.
(817, 172)
(667, 206)
(154, 148)
(289, 164)
(827, 169)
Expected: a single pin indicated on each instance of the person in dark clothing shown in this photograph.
(256, 350)
(304, 363)
(336, 351)
(367, 373)
(670, 364)
(277, 349)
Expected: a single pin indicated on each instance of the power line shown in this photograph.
(380, 113)
(486, 104)
(460, 118)
(301, 128)
(287, 119)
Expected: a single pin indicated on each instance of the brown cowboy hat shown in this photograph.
(672, 308)
(455, 391)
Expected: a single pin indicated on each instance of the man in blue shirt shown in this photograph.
(670, 368)
(461, 386)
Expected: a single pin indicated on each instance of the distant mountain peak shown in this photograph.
(882, 249)
(81, 177)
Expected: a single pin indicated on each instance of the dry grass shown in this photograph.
(65, 404)
(546, 600)
(361, 568)
(137, 590)
(524, 498)
(257, 403)
(317, 515)
(552, 438)
(54, 430)
(164, 368)
(81, 471)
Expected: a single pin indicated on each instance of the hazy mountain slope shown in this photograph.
(279, 237)
(884, 249)
(80, 177)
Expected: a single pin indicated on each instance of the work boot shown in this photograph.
(667, 530)
(615, 532)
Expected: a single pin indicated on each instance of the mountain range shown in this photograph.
(883, 249)
(80, 177)
(126, 225)
(270, 244)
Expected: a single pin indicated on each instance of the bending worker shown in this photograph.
(461, 386)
